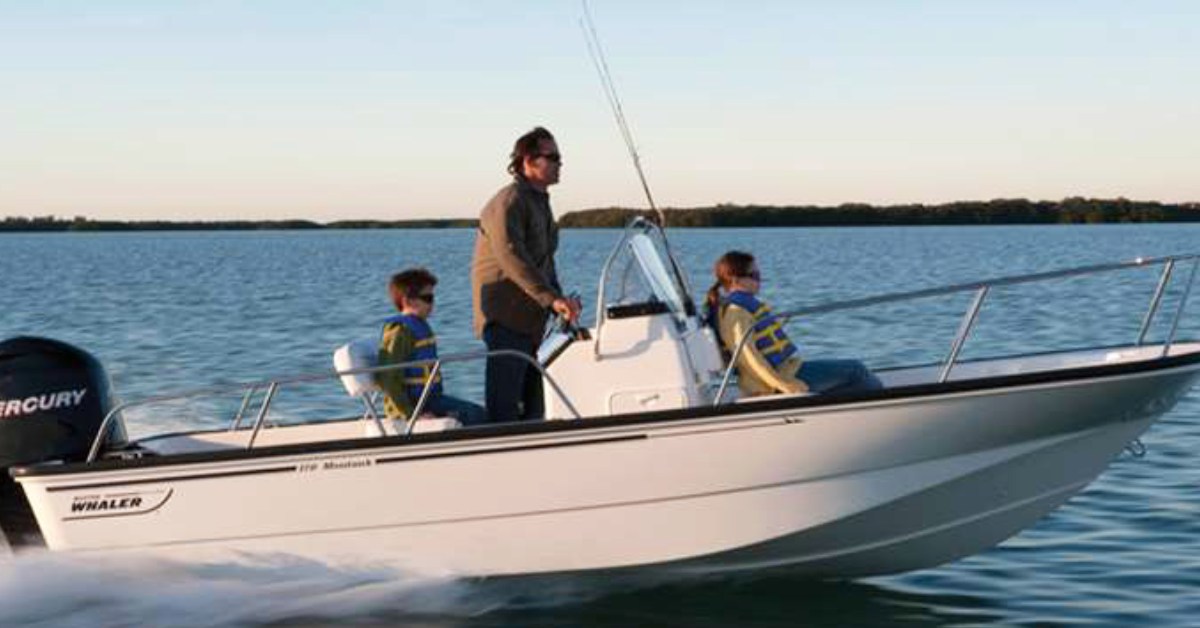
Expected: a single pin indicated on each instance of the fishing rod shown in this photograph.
(596, 52)
(614, 102)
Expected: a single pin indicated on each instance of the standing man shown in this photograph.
(513, 279)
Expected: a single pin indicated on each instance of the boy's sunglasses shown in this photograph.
(427, 297)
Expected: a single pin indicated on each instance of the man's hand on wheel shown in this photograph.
(567, 308)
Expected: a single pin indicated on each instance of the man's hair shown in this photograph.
(409, 282)
(526, 146)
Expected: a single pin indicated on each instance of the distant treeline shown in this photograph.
(996, 212)
(79, 223)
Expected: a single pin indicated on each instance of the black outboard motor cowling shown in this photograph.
(53, 398)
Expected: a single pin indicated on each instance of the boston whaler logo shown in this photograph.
(14, 408)
(117, 504)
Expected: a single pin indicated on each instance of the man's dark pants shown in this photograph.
(513, 388)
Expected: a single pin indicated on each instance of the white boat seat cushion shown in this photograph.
(358, 354)
(364, 353)
(423, 425)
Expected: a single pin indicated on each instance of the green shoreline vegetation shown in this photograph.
(1073, 210)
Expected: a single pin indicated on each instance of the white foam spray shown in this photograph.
(55, 590)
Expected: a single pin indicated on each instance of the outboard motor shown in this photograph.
(53, 398)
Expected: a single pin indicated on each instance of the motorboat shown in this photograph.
(650, 462)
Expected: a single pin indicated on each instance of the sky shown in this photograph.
(271, 109)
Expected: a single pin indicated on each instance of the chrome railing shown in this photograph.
(981, 290)
(273, 386)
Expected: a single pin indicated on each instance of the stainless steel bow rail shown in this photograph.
(981, 290)
(273, 386)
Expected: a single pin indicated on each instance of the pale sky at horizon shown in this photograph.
(395, 110)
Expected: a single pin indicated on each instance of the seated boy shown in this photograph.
(408, 337)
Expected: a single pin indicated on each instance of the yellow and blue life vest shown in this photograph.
(768, 335)
(424, 348)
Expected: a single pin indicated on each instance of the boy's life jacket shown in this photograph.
(768, 335)
(424, 347)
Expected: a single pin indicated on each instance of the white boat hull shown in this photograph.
(870, 487)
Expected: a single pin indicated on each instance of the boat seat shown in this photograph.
(358, 354)
(354, 355)
(425, 424)
(363, 354)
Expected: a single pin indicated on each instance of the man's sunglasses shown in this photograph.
(555, 157)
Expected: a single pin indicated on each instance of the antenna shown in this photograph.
(614, 102)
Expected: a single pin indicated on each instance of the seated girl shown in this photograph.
(770, 363)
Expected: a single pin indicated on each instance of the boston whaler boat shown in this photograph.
(649, 462)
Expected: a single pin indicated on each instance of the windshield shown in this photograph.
(642, 273)
(654, 270)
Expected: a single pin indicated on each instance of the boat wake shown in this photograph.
(55, 590)
(47, 590)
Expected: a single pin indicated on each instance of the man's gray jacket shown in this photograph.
(513, 278)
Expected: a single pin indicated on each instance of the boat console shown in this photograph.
(649, 349)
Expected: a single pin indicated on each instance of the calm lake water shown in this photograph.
(167, 312)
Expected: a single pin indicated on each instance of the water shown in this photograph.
(173, 311)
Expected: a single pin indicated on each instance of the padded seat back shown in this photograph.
(358, 354)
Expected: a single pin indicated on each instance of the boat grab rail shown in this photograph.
(636, 225)
(273, 386)
(981, 289)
